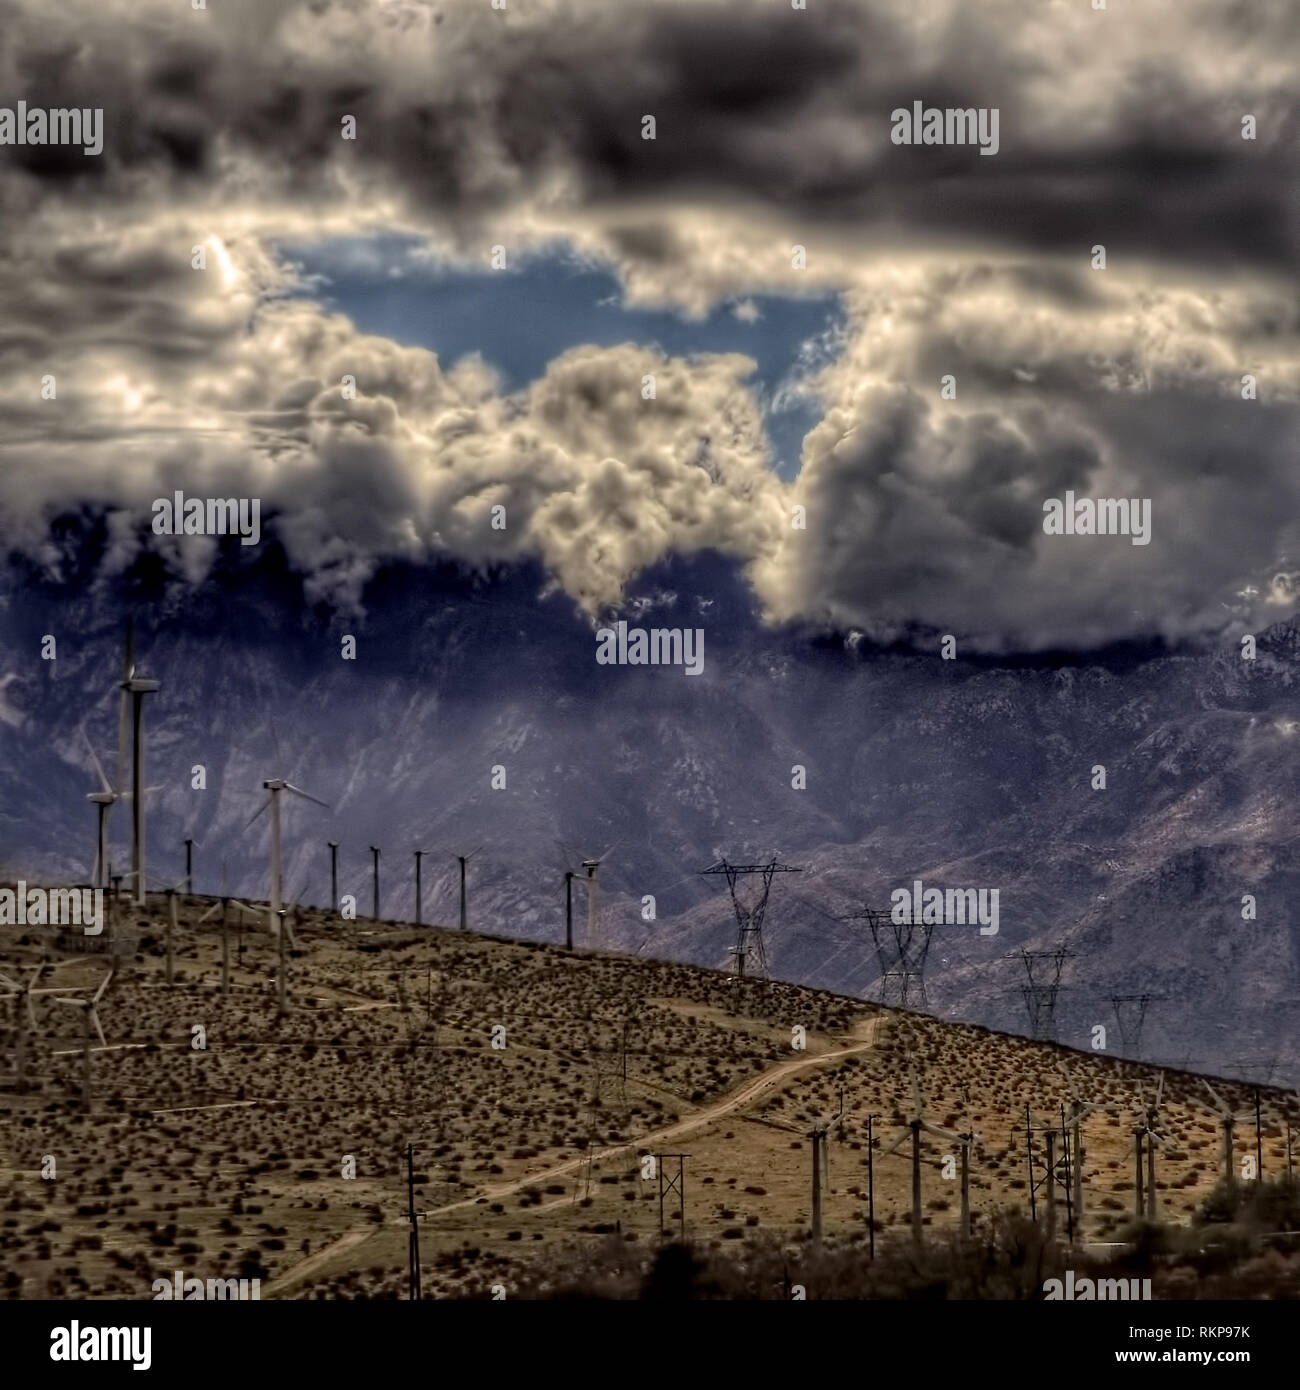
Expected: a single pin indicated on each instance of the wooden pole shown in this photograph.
(1139, 1209)
(965, 1189)
(871, 1193)
(1050, 1137)
(816, 1189)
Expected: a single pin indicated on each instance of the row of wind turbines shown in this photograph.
(132, 689)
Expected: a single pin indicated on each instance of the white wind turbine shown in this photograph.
(1227, 1123)
(274, 786)
(91, 1015)
(591, 866)
(223, 907)
(134, 688)
(917, 1125)
(25, 1013)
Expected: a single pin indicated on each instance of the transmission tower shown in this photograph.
(751, 956)
(902, 948)
(1131, 1017)
(1043, 983)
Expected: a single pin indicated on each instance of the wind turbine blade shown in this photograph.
(99, 767)
(298, 791)
(259, 811)
(281, 767)
(94, 1018)
(609, 849)
(943, 1133)
(916, 1092)
(1218, 1099)
(102, 987)
(894, 1143)
(12, 984)
(209, 912)
(1160, 1090)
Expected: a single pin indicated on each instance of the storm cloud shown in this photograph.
(523, 128)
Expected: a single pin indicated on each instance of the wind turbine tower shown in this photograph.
(136, 687)
(274, 786)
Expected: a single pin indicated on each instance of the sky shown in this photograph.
(798, 285)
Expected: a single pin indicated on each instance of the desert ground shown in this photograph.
(528, 1082)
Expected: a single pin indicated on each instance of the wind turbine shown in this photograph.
(464, 859)
(591, 866)
(1079, 1111)
(91, 1015)
(25, 1017)
(1145, 1128)
(284, 937)
(1227, 1122)
(102, 799)
(136, 688)
(223, 906)
(274, 786)
(915, 1126)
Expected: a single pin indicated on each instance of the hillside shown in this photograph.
(964, 773)
(228, 1161)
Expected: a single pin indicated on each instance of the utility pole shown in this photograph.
(568, 909)
(1029, 1156)
(871, 1192)
(817, 1139)
(1259, 1142)
(1068, 1159)
(1050, 1138)
(374, 856)
(189, 867)
(415, 1230)
(464, 906)
(1139, 1203)
(334, 874)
